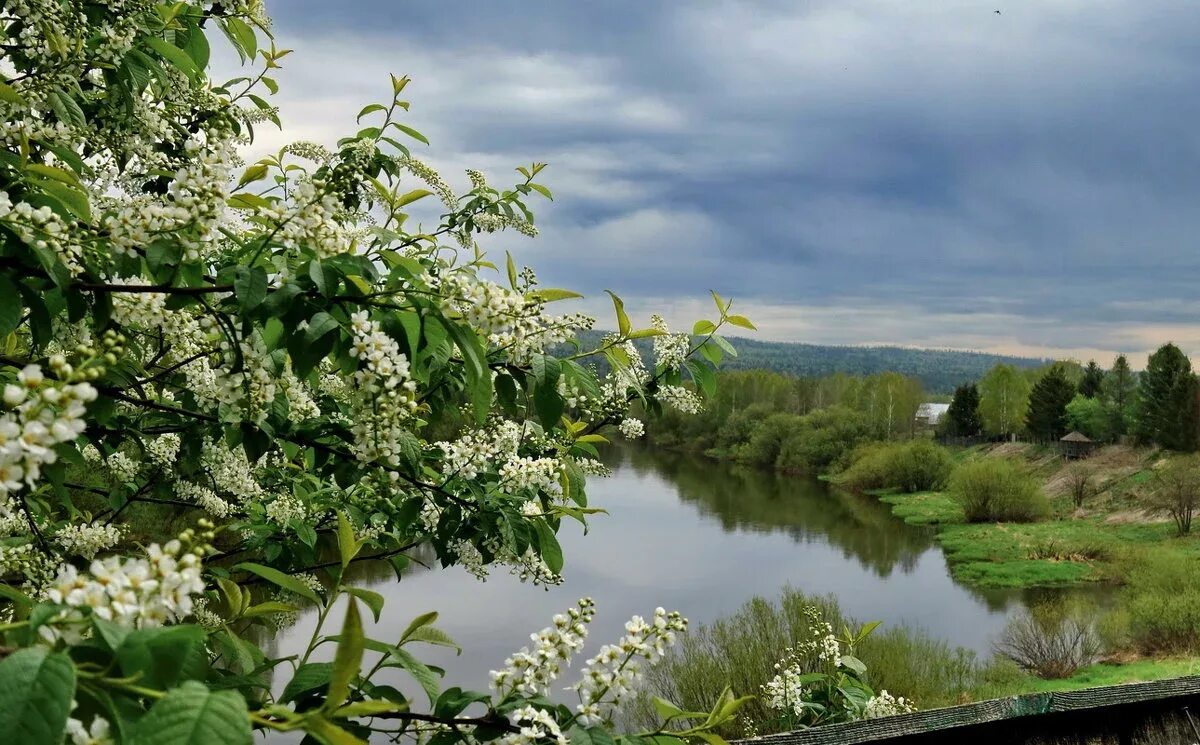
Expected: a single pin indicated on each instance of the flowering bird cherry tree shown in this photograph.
(224, 382)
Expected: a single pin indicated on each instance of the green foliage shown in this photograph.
(1092, 382)
(284, 348)
(1003, 400)
(914, 466)
(1175, 491)
(740, 650)
(1091, 417)
(997, 490)
(1163, 603)
(1119, 391)
(1167, 407)
(1046, 418)
(962, 418)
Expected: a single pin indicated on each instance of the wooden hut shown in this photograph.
(1076, 445)
(1160, 712)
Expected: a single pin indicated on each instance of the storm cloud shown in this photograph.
(929, 174)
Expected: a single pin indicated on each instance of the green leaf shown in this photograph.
(71, 198)
(254, 173)
(742, 321)
(193, 715)
(410, 132)
(430, 635)
(9, 94)
(542, 190)
(309, 677)
(850, 662)
(37, 688)
(319, 325)
(412, 196)
(422, 620)
(173, 54)
(623, 324)
(242, 35)
(10, 307)
(347, 661)
(348, 547)
(373, 599)
(551, 551)
(278, 578)
(551, 294)
(323, 278)
(250, 287)
(419, 670)
(268, 608)
(162, 657)
(369, 109)
(703, 328)
(511, 267)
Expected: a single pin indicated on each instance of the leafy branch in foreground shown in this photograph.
(309, 357)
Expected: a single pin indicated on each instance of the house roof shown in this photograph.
(932, 410)
(1076, 437)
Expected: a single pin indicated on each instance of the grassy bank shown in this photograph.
(1093, 543)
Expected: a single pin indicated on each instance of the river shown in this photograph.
(702, 538)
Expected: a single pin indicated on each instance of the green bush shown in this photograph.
(997, 490)
(1163, 604)
(741, 650)
(917, 465)
(823, 440)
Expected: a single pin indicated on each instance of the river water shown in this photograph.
(702, 538)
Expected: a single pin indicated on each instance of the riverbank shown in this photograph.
(1095, 542)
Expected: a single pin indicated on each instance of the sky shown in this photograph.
(930, 174)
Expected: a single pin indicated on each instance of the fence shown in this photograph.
(1159, 713)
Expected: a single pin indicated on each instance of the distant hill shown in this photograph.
(939, 369)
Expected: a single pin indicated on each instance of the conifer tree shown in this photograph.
(1119, 393)
(962, 418)
(1047, 416)
(1167, 412)
(1093, 380)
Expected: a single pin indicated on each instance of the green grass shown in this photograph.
(924, 508)
(1050, 553)
(1093, 676)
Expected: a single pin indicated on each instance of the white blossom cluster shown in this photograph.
(87, 540)
(98, 733)
(535, 726)
(205, 498)
(821, 644)
(786, 691)
(670, 350)
(885, 704)
(616, 669)
(39, 415)
(530, 671)
(190, 211)
(631, 429)
(475, 450)
(134, 592)
(384, 398)
(312, 222)
(41, 228)
(679, 398)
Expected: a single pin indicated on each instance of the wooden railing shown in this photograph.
(1116, 714)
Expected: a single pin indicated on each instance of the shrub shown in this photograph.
(823, 440)
(1175, 491)
(740, 651)
(1080, 483)
(997, 490)
(1163, 604)
(1052, 639)
(918, 465)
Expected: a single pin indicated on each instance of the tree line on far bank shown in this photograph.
(1160, 406)
(812, 424)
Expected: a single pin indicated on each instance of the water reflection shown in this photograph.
(702, 538)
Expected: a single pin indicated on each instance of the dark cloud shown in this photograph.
(932, 171)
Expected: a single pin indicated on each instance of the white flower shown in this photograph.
(632, 428)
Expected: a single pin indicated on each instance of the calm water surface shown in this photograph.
(702, 538)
